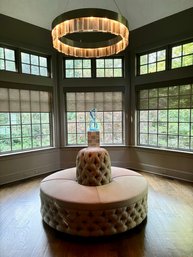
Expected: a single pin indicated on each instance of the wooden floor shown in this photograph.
(167, 232)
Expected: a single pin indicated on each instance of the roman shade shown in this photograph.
(17, 100)
(174, 97)
(102, 101)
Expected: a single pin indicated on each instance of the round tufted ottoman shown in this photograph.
(93, 166)
(103, 210)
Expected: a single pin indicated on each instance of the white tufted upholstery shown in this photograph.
(94, 210)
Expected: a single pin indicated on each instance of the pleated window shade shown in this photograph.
(18, 100)
(173, 97)
(102, 101)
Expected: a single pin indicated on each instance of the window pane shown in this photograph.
(144, 127)
(25, 58)
(108, 63)
(143, 59)
(143, 69)
(161, 55)
(118, 73)
(1, 53)
(188, 48)
(162, 140)
(5, 145)
(4, 132)
(176, 63)
(2, 64)
(78, 64)
(78, 73)
(100, 63)
(86, 63)
(152, 67)
(69, 73)
(43, 61)
(27, 143)
(16, 144)
(26, 130)
(161, 66)
(25, 68)
(152, 57)
(9, 54)
(10, 66)
(118, 63)
(173, 142)
(187, 60)
(26, 118)
(46, 141)
(35, 70)
(173, 128)
(16, 131)
(86, 73)
(100, 73)
(34, 59)
(176, 51)
(144, 139)
(108, 73)
(43, 71)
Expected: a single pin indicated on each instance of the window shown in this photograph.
(7, 59)
(182, 55)
(165, 117)
(78, 68)
(106, 68)
(152, 62)
(109, 116)
(34, 64)
(25, 120)
(95, 68)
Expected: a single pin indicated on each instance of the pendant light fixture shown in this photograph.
(90, 33)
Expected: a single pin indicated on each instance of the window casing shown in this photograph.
(165, 117)
(34, 64)
(173, 56)
(78, 68)
(109, 116)
(182, 55)
(93, 68)
(152, 62)
(7, 59)
(25, 120)
(109, 67)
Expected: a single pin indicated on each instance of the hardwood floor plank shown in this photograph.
(167, 231)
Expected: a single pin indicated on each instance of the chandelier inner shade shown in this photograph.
(90, 33)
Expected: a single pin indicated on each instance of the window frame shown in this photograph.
(168, 60)
(168, 134)
(152, 51)
(86, 121)
(30, 125)
(181, 56)
(39, 55)
(94, 68)
(15, 56)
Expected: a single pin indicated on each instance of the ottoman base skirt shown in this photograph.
(76, 209)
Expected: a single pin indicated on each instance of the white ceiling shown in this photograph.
(138, 12)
